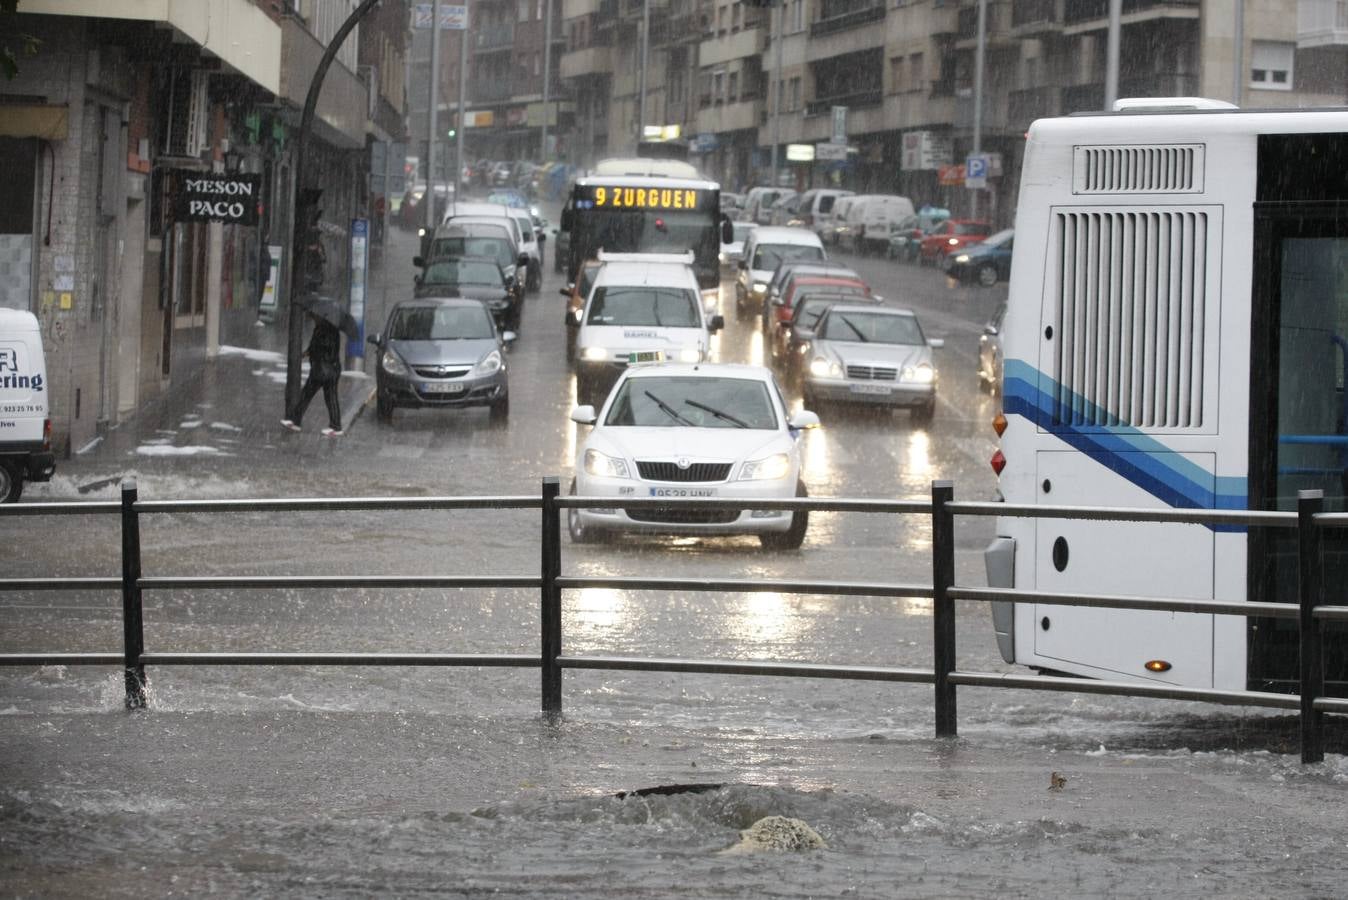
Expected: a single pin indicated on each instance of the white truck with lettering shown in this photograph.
(25, 426)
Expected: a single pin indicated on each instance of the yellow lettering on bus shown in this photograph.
(643, 197)
(678, 199)
(690, 199)
(600, 196)
(629, 197)
(666, 199)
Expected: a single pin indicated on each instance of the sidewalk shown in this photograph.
(238, 398)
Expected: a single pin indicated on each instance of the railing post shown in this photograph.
(943, 608)
(551, 612)
(1310, 593)
(133, 625)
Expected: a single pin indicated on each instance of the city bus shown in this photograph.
(1176, 335)
(645, 206)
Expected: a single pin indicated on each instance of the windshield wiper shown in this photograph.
(848, 322)
(739, 423)
(667, 409)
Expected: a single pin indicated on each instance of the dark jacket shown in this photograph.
(325, 349)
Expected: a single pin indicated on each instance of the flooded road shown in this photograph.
(350, 782)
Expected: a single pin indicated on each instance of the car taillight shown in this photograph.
(46, 434)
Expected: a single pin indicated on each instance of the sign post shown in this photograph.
(976, 172)
(360, 247)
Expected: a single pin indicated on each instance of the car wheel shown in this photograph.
(793, 537)
(923, 414)
(11, 482)
(987, 275)
(577, 531)
(946, 262)
(500, 410)
(383, 408)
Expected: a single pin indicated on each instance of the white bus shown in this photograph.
(1176, 336)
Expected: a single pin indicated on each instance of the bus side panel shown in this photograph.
(1129, 558)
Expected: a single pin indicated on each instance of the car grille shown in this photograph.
(668, 471)
(439, 372)
(872, 373)
(667, 515)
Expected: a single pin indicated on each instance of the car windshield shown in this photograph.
(871, 328)
(526, 228)
(970, 228)
(811, 309)
(667, 307)
(440, 323)
(462, 271)
(498, 249)
(693, 401)
(770, 256)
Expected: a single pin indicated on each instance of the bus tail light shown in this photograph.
(1156, 665)
(998, 462)
(999, 424)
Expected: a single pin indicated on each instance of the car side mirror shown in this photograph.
(803, 419)
(989, 329)
(877, 298)
(509, 337)
(778, 301)
(584, 415)
(727, 230)
(717, 323)
(372, 339)
(522, 259)
(419, 262)
(566, 291)
(573, 317)
(936, 343)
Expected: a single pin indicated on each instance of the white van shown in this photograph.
(25, 428)
(758, 203)
(642, 308)
(878, 215)
(815, 209)
(764, 250)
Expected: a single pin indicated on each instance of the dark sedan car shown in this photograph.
(986, 263)
(441, 353)
(477, 278)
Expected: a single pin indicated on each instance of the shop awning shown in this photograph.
(50, 123)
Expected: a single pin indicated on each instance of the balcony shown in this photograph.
(739, 116)
(1167, 84)
(998, 24)
(590, 61)
(1321, 23)
(496, 91)
(1025, 106)
(823, 106)
(739, 45)
(851, 19)
(1035, 17)
(1096, 12)
(491, 38)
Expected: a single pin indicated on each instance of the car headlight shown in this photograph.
(393, 365)
(962, 258)
(760, 287)
(953, 241)
(489, 363)
(922, 374)
(605, 466)
(690, 355)
(594, 353)
(722, 256)
(823, 368)
(769, 468)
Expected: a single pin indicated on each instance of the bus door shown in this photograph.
(1299, 408)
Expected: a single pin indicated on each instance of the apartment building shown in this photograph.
(904, 71)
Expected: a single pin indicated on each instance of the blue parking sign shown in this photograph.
(976, 171)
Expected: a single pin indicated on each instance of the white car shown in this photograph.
(641, 308)
(764, 250)
(733, 252)
(692, 431)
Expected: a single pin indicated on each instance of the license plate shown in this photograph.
(646, 356)
(442, 387)
(682, 492)
(870, 389)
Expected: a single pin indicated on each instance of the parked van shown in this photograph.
(758, 203)
(838, 223)
(816, 208)
(25, 428)
(879, 214)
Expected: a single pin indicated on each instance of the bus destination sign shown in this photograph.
(606, 197)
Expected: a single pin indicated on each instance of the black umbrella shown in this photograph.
(329, 310)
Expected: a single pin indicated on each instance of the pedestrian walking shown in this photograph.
(325, 370)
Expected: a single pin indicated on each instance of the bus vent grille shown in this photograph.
(1165, 169)
(1131, 308)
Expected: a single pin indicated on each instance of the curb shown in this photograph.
(350, 416)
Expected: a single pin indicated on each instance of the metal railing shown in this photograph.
(1310, 611)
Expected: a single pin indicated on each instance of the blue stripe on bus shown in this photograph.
(1141, 459)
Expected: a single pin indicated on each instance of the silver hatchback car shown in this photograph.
(871, 355)
(441, 353)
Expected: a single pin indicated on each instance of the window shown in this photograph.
(717, 84)
(734, 87)
(896, 74)
(1271, 65)
(795, 94)
(798, 15)
(720, 20)
(736, 17)
(524, 10)
(538, 68)
(915, 73)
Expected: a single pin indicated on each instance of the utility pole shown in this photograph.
(979, 55)
(645, 56)
(777, 107)
(1238, 53)
(547, 74)
(1112, 53)
(432, 116)
(462, 123)
(304, 204)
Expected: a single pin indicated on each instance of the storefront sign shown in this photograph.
(950, 176)
(800, 152)
(208, 197)
(924, 150)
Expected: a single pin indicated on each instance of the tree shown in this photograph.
(13, 42)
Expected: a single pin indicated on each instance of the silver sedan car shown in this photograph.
(871, 355)
(441, 353)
